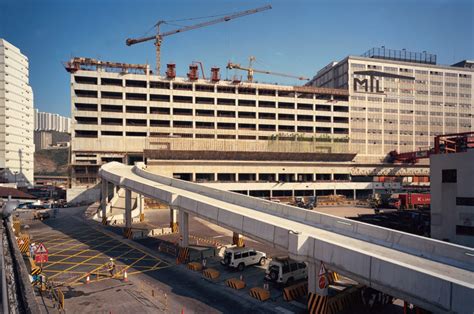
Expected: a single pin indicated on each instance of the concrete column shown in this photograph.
(355, 194)
(141, 206)
(183, 228)
(312, 277)
(173, 219)
(238, 239)
(104, 198)
(128, 209)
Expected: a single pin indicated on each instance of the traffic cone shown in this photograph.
(125, 276)
(88, 279)
(182, 310)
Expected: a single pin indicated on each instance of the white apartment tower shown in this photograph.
(45, 121)
(16, 117)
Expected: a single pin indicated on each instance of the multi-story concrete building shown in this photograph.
(401, 100)
(286, 140)
(16, 117)
(45, 121)
(452, 193)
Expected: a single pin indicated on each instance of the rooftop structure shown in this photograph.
(400, 55)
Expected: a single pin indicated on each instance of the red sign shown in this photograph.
(41, 254)
(322, 282)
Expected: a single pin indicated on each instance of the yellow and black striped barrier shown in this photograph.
(104, 220)
(211, 273)
(36, 270)
(295, 291)
(259, 294)
(235, 283)
(346, 299)
(333, 277)
(317, 304)
(174, 227)
(24, 243)
(195, 266)
(183, 255)
(16, 226)
(128, 233)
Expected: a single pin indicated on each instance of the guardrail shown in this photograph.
(436, 250)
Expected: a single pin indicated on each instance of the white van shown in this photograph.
(240, 257)
(284, 270)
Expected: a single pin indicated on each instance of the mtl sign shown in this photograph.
(372, 84)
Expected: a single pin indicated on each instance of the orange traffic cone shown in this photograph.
(182, 310)
(125, 276)
(88, 279)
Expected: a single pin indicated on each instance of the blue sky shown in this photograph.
(297, 37)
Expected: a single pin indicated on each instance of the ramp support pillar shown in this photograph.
(104, 198)
(173, 219)
(183, 228)
(128, 209)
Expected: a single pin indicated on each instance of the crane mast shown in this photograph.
(159, 36)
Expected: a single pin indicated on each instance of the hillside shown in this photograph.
(52, 162)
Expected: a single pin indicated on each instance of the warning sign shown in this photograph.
(41, 254)
(322, 270)
(322, 282)
(41, 249)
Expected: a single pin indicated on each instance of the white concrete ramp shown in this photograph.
(434, 275)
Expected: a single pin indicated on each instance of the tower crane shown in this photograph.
(159, 36)
(250, 71)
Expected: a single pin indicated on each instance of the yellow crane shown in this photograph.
(159, 36)
(250, 71)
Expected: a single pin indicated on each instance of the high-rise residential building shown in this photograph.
(45, 121)
(401, 100)
(16, 117)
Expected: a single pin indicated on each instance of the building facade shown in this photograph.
(259, 139)
(401, 100)
(45, 121)
(16, 117)
(452, 197)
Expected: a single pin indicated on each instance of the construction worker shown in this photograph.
(111, 267)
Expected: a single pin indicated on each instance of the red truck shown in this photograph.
(411, 201)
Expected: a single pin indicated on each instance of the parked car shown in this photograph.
(41, 214)
(240, 257)
(284, 270)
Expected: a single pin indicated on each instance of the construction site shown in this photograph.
(341, 193)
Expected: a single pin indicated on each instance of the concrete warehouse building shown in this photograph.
(16, 117)
(279, 140)
(401, 100)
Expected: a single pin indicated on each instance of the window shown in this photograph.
(465, 230)
(245, 254)
(237, 255)
(465, 201)
(449, 176)
(285, 269)
(253, 253)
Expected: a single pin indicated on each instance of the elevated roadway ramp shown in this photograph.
(432, 274)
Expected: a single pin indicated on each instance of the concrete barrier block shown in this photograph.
(336, 254)
(463, 299)
(230, 219)
(281, 237)
(259, 228)
(411, 281)
(208, 211)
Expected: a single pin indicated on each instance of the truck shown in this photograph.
(411, 201)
